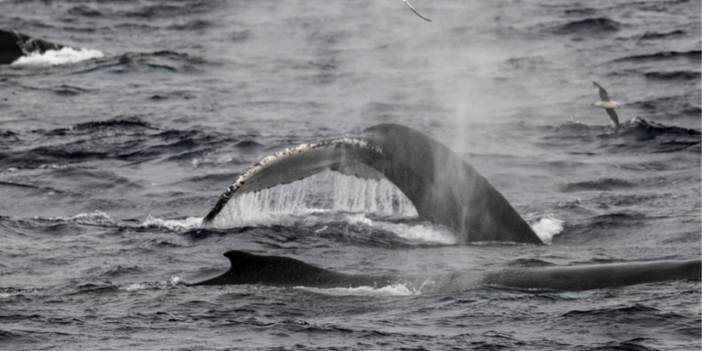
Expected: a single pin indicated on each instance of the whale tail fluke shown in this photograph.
(443, 188)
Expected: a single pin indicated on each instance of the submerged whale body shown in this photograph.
(248, 268)
(14, 45)
(443, 188)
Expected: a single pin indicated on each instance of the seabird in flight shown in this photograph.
(608, 104)
(415, 11)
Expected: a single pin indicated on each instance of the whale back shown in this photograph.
(596, 276)
(14, 45)
(248, 268)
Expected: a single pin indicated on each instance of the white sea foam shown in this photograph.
(175, 281)
(136, 287)
(171, 224)
(96, 218)
(546, 227)
(389, 290)
(424, 232)
(58, 57)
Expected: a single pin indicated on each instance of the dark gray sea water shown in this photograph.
(107, 164)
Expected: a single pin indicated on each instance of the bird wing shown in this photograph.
(613, 116)
(603, 93)
(415, 11)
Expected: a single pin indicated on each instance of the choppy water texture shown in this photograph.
(106, 165)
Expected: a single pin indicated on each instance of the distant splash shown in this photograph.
(423, 232)
(389, 290)
(91, 218)
(58, 57)
(325, 192)
(136, 287)
(171, 224)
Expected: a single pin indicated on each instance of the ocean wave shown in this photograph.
(93, 288)
(44, 189)
(170, 10)
(613, 312)
(118, 122)
(96, 217)
(68, 90)
(635, 344)
(589, 26)
(98, 126)
(194, 25)
(580, 11)
(62, 56)
(196, 234)
(135, 287)
(421, 232)
(131, 287)
(636, 134)
(7, 293)
(618, 199)
(609, 220)
(529, 262)
(124, 138)
(84, 11)
(390, 290)
(692, 55)
(603, 227)
(141, 62)
(603, 184)
(575, 128)
(13, 336)
(673, 75)
(119, 270)
(618, 217)
(668, 138)
(170, 60)
(670, 106)
(172, 224)
(661, 35)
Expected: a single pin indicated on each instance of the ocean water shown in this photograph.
(112, 151)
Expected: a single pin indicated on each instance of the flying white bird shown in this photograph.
(608, 104)
(415, 11)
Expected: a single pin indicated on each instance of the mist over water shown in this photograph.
(111, 154)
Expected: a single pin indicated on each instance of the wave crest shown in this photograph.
(63, 56)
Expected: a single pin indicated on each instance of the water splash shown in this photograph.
(389, 290)
(57, 57)
(171, 224)
(96, 217)
(546, 227)
(424, 232)
(324, 192)
(136, 287)
(175, 281)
